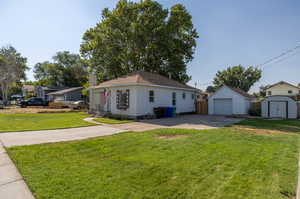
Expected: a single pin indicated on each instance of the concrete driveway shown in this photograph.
(182, 121)
(59, 135)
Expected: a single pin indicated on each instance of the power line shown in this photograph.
(284, 58)
(279, 56)
(270, 60)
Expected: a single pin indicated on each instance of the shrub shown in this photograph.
(255, 111)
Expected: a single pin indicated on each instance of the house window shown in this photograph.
(123, 99)
(151, 96)
(174, 99)
(290, 92)
(269, 92)
(193, 96)
(183, 95)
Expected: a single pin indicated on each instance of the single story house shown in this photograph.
(283, 88)
(42, 91)
(278, 106)
(229, 101)
(69, 94)
(137, 94)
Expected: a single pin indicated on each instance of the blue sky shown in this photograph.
(231, 32)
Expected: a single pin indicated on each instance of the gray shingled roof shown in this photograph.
(142, 77)
(64, 91)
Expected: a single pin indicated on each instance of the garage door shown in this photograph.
(278, 109)
(223, 106)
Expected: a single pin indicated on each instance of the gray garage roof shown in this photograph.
(64, 91)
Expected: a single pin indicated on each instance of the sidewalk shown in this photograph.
(12, 185)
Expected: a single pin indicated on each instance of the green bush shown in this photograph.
(254, 111)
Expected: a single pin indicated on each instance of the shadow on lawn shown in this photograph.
(289, 126)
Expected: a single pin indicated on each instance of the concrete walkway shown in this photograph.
(59, 135)
(192, 121)
(12, 185)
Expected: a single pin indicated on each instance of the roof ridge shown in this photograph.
(283, 82)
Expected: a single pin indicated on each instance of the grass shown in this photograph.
(222, 163)
(43, 121)
(112, 121)
(289, 126)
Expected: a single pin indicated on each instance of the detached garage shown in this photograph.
(229, 101)
(279, 107)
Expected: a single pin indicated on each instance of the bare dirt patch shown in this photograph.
(260, 131)
(171, 137)
(14, 110)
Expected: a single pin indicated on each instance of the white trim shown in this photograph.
(139, 84)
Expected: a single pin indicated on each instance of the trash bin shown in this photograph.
(159, 113)
(174, 112)
(166, 111)
(170, 111)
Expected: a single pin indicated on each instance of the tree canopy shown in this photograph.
(12, 69)
(237, 77)
(141, 36)
(66, 70)
(210, 89)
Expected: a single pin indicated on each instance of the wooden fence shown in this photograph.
(202, 107)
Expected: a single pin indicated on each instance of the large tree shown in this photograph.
(66, 70)
(12, 70)
(141, 36)
(237, 77)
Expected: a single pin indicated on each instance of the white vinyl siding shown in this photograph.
(228, 102)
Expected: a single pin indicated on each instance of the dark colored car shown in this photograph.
(33, 102)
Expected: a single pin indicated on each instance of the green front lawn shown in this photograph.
(41, 121)
(289, 126)
(112, 121)
(227, 163)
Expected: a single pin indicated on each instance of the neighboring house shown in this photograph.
(283, 88)
(42, 91)
(229, 101)
(69, 94)
(137, 94)
(28, 90)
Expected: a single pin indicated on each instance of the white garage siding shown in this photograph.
(279, 107)
(239, 103)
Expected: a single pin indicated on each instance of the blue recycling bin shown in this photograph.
(170, 111)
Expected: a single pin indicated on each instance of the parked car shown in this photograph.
(34, 102)
(79, 105)
(1, 104)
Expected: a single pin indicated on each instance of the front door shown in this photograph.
(278, 109)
